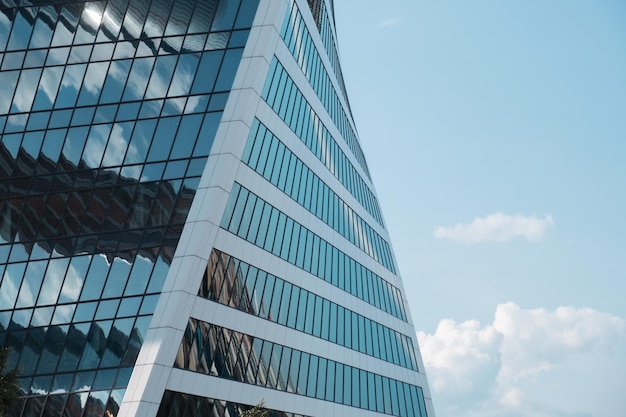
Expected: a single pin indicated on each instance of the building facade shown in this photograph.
(187, 222)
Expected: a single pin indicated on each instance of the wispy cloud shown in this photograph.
(498, 227)
(388, 22)
(525, 362)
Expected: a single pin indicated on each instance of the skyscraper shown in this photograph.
(187, 222)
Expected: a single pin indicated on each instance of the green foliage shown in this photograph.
(9, 386)
(258, 410)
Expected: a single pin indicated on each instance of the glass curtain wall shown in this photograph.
(108, 111)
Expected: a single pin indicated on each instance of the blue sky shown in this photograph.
(496, 137)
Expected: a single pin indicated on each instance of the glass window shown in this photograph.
(293, 242)
(302, 305)
(30, 286)
(327, 385)
(240, 196)
(264, 363)
(304, 235)
(329, 262)
(253, 361)
(308, 328)
(280, 161)
(387, 396)
(92, 84)
(312, 382)
(8, 80)
(284, 303)
(406, 400)
(226, 19)
(338, 267)
(308, 251)
(140, 74)
(286, 236)
(186, 136)
(85, 311)
(129, 307)
(333, 323)
(317, 321)
(420, 395)
(274, 371)
(348, 329)
(304, 373)
(255, 221)
(10, 285)
(339, 383)
(140, 141)
(228, 69)
(107, 309)
(368, 337)
(361, 327)
(375, 339)
(255, 295)
(291, 175)
(293, 308)
(53, 281)
(231, 205)
(315, 257)
(387, 340)
(74, 279)
(401, 351)
(48, 87)
(268, 165)
(275, 229)
(261, 150)
(293, 371)
(321, 379)
(283, 375)
(139, 275)
(355, 388)
(179, 19)
(395, 401)
(378, 381)
(267, 296)
(163, 139)
(364, 395)
(118, 275)
(340, 326)
(347, 385)
(264, 226)
(325, 319)
(276, 298)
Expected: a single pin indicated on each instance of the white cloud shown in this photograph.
(389, 22)
(528, 363)
(498, 227)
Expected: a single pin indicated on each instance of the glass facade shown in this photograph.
(235, 283)
(225, 353)
(107, 113)
(187, 222)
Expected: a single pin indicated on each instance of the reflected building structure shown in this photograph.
(187, 222)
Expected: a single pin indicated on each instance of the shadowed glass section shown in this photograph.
(232, 282)
(218, 351)
(177, 404)
(108, 112)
